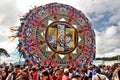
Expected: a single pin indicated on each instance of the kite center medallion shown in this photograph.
(61, 37)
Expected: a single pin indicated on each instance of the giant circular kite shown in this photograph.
(56, 34)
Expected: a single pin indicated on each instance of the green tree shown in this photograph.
(4, 52)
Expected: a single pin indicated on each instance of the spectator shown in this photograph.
(119, 74)
(51, 74)
(99, 76)
(12, 75)
(44, 75)
(34, 73)
(116, 71)
(90, 72)
(3, 75)
(58, 74)
(83, 75)
(76, 77)
(66, 76)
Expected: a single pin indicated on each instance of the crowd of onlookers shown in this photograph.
(61, 72)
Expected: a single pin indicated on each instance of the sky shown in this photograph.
(103, 14)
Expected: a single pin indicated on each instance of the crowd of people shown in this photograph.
(61, 72)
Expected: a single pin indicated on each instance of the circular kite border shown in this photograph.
(33, 41)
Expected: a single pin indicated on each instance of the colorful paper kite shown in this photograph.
(56, 34)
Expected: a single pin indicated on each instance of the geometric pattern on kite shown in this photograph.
(55, 34)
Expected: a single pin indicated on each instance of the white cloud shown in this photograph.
(11, 59)
(115, 18)
(9, 45)
(100, 8)
(107, 41)
(25, 5)
(97, 18)
(8, 18)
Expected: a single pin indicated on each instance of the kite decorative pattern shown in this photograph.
(56, 34)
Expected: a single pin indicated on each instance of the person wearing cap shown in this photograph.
(12, 75)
